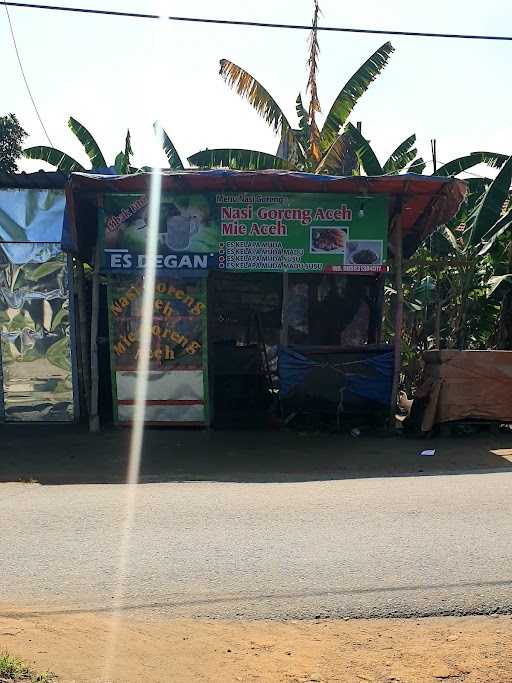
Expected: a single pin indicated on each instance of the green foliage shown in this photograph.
(364, 151)
(305, 148)
(11, 142)
(62, 161)
(461, 164)
(403, 155)
(175, 162)
(13, 669)
(258, 97)
(66, 164)
(88, 142)
(351, 92)
(244, 159)
(457, 286)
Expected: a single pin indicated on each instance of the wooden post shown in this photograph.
(284, 312)
(85, 365)
(399, 314)
(439, 306)
(94, 420)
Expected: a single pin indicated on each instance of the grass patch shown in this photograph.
(13, 669)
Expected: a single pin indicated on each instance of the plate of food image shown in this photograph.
(364, 252)
(328, 240)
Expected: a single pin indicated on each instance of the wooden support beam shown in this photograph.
(83, 334)
(399, 315)
(284, 312)
(94, 420)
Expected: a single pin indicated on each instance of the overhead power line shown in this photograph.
(11, 28)
(258, 24)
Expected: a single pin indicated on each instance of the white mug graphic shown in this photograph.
(180, 230)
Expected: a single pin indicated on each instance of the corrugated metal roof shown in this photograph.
(40, 180)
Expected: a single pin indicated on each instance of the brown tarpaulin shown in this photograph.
(460, 385)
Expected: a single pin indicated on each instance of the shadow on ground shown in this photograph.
(62, 454)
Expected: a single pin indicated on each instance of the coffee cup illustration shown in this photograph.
(180, 230)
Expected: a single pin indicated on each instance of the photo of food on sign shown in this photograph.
(328, 240)
(364, 252)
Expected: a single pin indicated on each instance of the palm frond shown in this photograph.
(62, 161)
(174, 159)
(403, 155)
(257, 96)
(89, 143)
(238, 159)
(353, 89)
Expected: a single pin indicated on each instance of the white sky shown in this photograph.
(113, 74)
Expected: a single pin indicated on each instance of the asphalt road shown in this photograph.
(419, 545)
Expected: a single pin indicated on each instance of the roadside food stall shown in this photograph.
(269, 284)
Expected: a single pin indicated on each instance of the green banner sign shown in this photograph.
(255, 232)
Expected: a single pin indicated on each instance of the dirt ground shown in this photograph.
(67, 454)
(468, 649)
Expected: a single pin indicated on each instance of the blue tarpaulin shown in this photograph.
(370, 378)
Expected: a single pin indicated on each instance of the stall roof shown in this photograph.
(40, 180)
(423, 202)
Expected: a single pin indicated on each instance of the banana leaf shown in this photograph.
(417, 166)
(353, 89)
(258, 97)
(424, 291)
(122, 161)
(450, 238)
(237, 159)
(456, 166)
(174, 159)
(364, 151)
(302, 115)
(292, 148)
(340, 159)
(486, 216)
(490, 238)
(62, 161)
(496, 281)
(89, 143)
(403, 155)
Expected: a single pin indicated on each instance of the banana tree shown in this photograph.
(404, 154)
(65, 163)
(307, 146)
(472, 259)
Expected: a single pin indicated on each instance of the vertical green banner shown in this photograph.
(177, 383)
